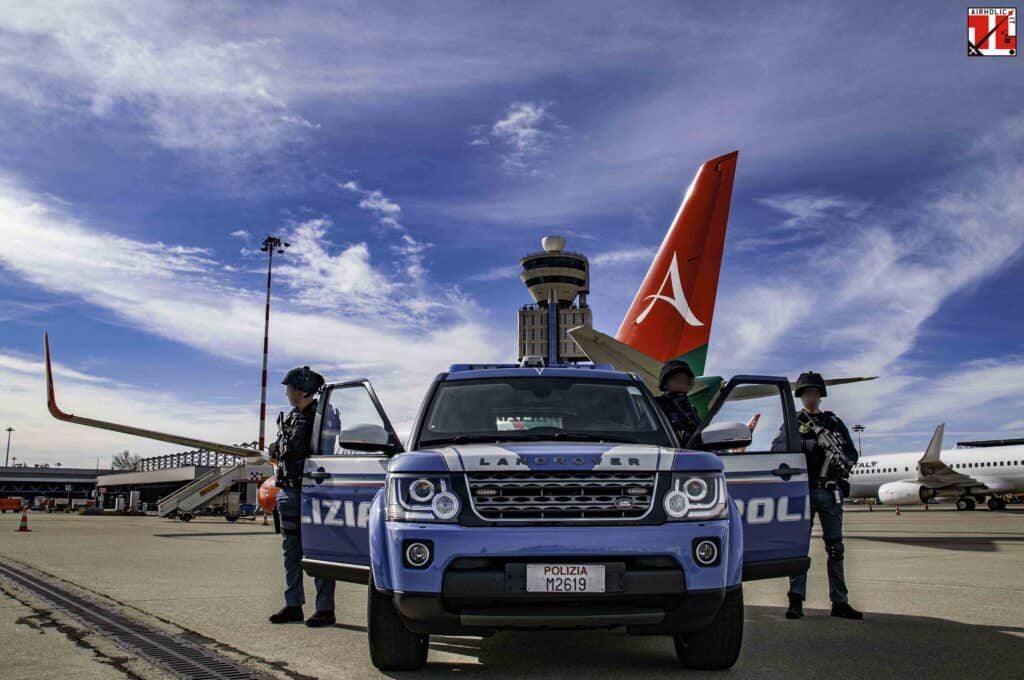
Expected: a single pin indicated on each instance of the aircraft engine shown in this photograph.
(904, 493)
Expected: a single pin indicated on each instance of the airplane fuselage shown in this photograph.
(997, 470)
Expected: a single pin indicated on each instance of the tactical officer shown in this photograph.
(675, 382)
(293, 446)
(831, 454)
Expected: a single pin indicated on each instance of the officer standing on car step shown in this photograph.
(294, 444)
(675, 382)
(831, 454)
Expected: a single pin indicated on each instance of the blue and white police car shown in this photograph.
(551, 497)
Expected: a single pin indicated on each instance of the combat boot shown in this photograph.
(844, 611)
(321, 619)
(287, 615)
(796, 607)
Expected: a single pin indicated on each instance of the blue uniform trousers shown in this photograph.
(289, 504)
(829, 511)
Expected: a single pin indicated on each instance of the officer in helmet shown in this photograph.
(830, 453)
(675, 382)
(294, 444)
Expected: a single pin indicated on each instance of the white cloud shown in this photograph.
(510, 271)
(523, 134)
(344, 314)
(858, 299)
(806, 211)
(39, 438)
(242, 234)
(409, 249)
(626, 255)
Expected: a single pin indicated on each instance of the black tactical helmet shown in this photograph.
(305, 379)
(810, 379)
(671, 368)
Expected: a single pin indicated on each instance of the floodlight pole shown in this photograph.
(7, 458)
(270, 244)
(860, 446)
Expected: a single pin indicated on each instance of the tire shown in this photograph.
(231, 518)
(718, 646)
(185, 517)
(964, 503)
(993, 503)
(393, 647)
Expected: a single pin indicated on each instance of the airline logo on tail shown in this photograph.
(678, 299)
(684, 273)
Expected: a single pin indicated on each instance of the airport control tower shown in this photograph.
(559, 282)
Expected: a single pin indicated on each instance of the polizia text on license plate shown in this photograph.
(565, 578)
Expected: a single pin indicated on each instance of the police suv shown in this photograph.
(558, 497)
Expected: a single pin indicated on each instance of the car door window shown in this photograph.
(352, 422)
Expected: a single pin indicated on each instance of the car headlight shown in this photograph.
(695, 496)
(421, 498)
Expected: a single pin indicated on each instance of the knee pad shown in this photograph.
(835, 549)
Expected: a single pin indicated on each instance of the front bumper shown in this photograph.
(475, 582)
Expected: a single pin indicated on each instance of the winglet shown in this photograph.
(931, 454)
(51, 399)
(249, 455)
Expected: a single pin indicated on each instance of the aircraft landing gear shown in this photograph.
(995, 503)
(965, 503)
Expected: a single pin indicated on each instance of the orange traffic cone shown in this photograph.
(23, 524)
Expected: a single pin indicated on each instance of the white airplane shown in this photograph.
(970, 475)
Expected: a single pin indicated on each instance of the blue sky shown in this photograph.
(411, 155)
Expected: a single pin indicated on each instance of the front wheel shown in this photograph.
(718, 646)
(393, 647)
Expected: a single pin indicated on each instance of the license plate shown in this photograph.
(565, 578)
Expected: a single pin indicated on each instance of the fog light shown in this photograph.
(417, 554)
(705, 552)
(445, 505)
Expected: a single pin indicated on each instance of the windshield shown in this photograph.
(525, 409)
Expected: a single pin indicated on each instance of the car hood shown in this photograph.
(553, 457)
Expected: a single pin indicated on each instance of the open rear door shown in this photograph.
(354, 440)
(767, 478)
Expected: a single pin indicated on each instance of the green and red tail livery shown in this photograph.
(672, 312)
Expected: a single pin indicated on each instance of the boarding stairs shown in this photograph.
(208, 486)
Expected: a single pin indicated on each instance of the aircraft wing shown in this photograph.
(757, 391)
(604, 349)
(251, 456)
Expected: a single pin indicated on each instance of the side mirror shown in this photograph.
(719, 436)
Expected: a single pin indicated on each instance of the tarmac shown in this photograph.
(941, 590)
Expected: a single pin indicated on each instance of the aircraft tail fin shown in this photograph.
(932, 453)
(671, 314)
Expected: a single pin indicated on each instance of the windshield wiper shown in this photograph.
(525, 437)
(468, 439)
(580, 437)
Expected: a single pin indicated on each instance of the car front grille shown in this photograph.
(572, 496)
